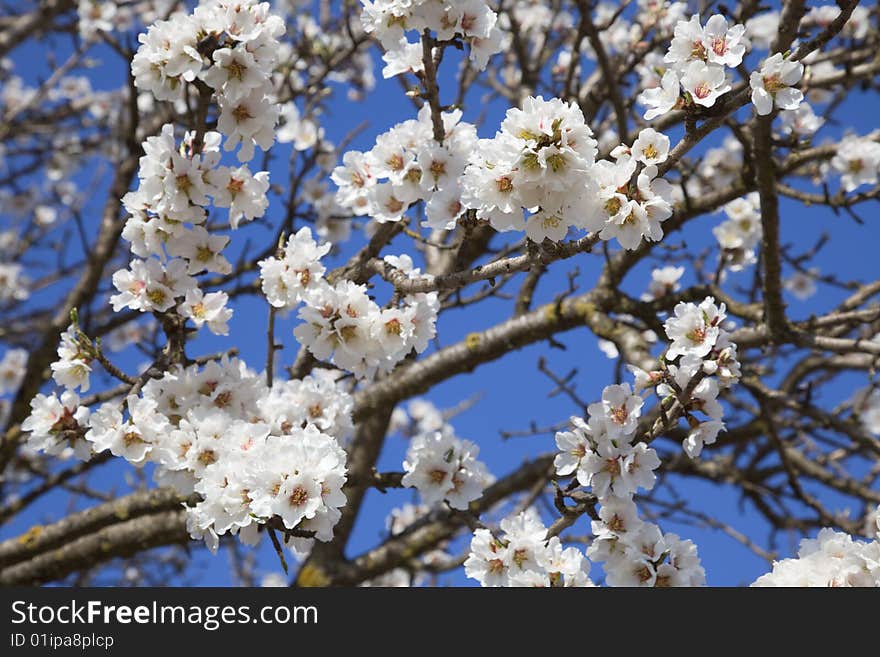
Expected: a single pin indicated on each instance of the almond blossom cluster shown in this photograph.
(637, 553)
(524, 556)
(762, 29)
(633, 211)
(407, 165)
(740, 234)
(164, 227)
(251, 452)
(538, 174)
(228, 46)
(340, 322)
(230, 50)
(601, 454)
(705, 362)
(343, 324)
(472, 21)
(831, 559)
(443, 467)
(697, 58)
(75, 354)
(543, 161)
(288, 280)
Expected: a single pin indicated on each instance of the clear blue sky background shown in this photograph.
(511, 392)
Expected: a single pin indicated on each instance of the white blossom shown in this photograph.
(523, 556)
(253, 452)
(704, 82)
(694, 329)
(12, 370)
(857, 161)
(663, 98)
(443, 467)
(773, 84)
(831, 559)
(289, 280)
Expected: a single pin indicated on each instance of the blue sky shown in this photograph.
(511, 392)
